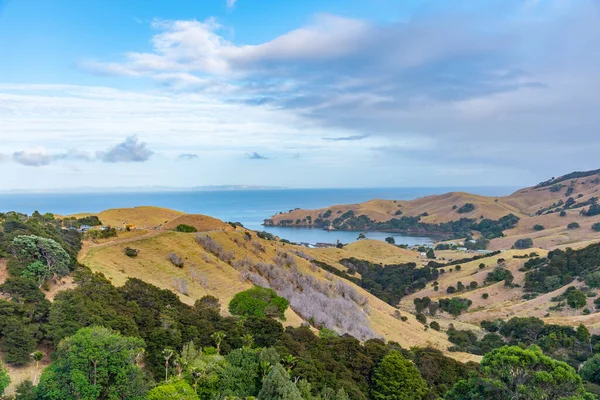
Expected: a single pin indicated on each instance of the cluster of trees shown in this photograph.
(572, 175)
(390, 282)
(524, 243)
(560, 268)
(466, 208)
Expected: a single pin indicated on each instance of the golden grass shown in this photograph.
(144, 217)
(202, 223)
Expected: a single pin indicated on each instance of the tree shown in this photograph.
(523, 243)
(4, 378)
(180, 390)
(396, 378)
(25, 391)
(390, 240)
(538, 227)
(591, 369)
(278, 386)
(596, 226)
(361, 236)
(258, 301)
(511, 372)
(18, 342)
(95, 363)
(573, 225)
(576, 299)
(218, 338)
(430, 254)
(31, 248)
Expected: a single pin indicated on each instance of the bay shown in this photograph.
(250, 207)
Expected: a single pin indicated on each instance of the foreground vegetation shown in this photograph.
(138, 341)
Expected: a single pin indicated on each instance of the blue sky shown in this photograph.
(343, 93)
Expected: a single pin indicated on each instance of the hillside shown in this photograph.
(453, 214)
(206, 273)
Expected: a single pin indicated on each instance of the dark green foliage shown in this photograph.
(90, 220)
(390, 240)
(185, 228)
(513, 372)
(572, 175)
(396, 378)
(265, 235)
(573, 225)
(435, 325)
(440, 372)
(563, 213)
(466, 208)
(421, 318)
(492, 229)
(560, 268)
(278, 386)
(538, 227)
(106, 360)
(258, 301)
(556, 188)
(455, 306)
(485, 296)
(525, 243)
(596, 227)
(18, 341)
(500, 274)
(591, 370)
(576, 299)
(25, 391)
(390, 282)
(131, 252)
(430, 254)
(594, 209)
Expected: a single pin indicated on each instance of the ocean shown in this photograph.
(250, 207)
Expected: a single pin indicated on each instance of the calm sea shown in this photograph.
(250, 207)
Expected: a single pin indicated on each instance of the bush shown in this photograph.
(259, 301)
(525, 243)
(466, 208)
(576, 299)
(596, 227)
(435, 326)
(573, 225)
(185, 228)
(131, 252)
(481, 266)
(458, 267)
(421, 318)
(563, 213)
(485, 296)
(538, 227)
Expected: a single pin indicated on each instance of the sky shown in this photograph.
(337, 93)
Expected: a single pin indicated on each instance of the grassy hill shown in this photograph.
(205, 273)
(538, 205)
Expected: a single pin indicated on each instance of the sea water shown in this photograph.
(250, 207)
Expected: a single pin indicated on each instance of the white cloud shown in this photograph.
(131, 150)
(35, 157)
(231, 3)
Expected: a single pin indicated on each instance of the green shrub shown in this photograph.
(258, 301)
(185, 228)
(525, 243)
(573, 225)
(485, 296)
(596, 227)
(131, 252)
(538, 227)
(466, 208)
(434, 325)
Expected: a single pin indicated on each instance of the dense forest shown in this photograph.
(142, 342)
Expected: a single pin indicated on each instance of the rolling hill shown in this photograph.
(549, 206)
